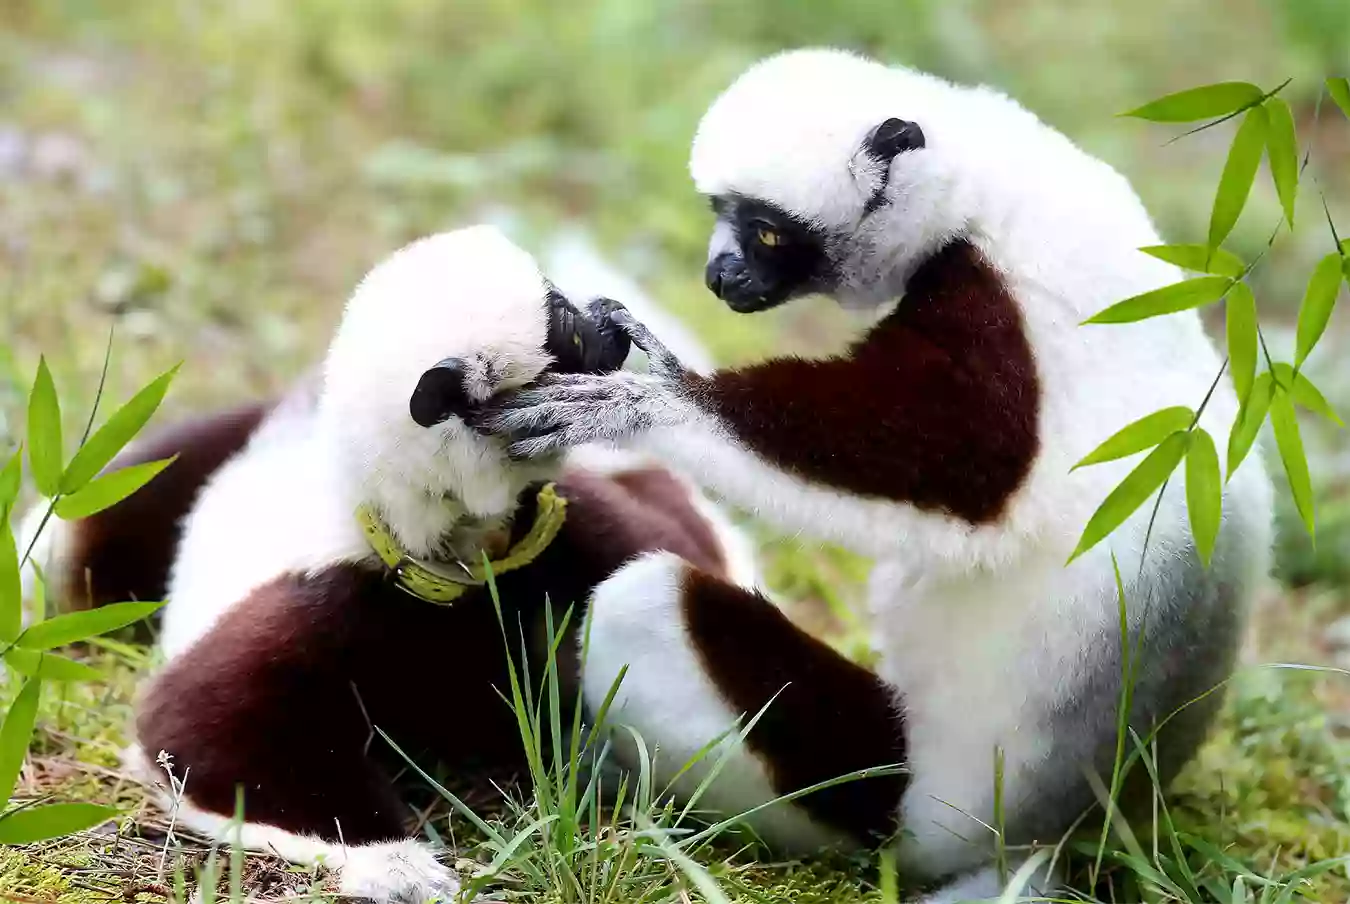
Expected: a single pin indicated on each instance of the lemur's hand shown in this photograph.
(560, 411)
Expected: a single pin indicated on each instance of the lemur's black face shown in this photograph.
(578, 343)
(761, 255)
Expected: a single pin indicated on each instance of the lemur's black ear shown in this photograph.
(440, 394)
(894, 136)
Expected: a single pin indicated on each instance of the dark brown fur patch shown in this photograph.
(280, 695)
(831, 716)
(125, 552)
(937, 406)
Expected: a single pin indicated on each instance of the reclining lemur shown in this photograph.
(943, 445)
(329, 577)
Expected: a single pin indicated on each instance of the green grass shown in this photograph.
(208, 180)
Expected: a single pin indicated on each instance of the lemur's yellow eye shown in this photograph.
(768, 237)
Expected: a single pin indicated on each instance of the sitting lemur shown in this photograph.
(941, 444)
(329, 579)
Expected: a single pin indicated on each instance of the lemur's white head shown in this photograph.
(429, 335)
(833, 173)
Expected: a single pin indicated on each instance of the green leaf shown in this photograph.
(44, 432)
(113, 436)
(1282, 152)
(1285, 422)
(1320, 298)
(1242, 338)
(1185, 295)
(9, 483)
(1250, 417)
(1190, 293)
(1200, 258)
(106, 491)
(74, 626)
(16, 733)
(1133, 491)
(1204, 492)
(1340, 93)
(53, 667)
(51, 821)
(1144, 433)
(1306, 394)
(1238, 174)
(11, 587)
(1199, 103)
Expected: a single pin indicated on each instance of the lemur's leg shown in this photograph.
(125, 552)
(269, 701)
(701, 653)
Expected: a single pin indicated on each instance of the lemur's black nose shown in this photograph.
(714, 273)
(440, 394)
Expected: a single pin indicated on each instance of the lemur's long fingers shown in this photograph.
(663, 360)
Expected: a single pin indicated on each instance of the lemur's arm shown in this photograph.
(936, 408)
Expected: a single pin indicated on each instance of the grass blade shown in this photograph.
(1239, 172)
(76, 626)
(1133, 491)
(1182, 296)
(52, 821)
(1285, 422)
(115, 433)
(1144, 433)
(1339, 88)
(1204, 492)
(1282, 153)
(1243, 338)
(1204, 102)
(1200, 258)
(44, 432)
(108, 490)
(15, 734)
(1323, 287)
(1249, 420)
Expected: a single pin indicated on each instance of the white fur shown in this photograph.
(52, 547)
(977, 627)
(668, 699)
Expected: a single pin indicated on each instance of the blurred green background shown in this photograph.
(211, 178)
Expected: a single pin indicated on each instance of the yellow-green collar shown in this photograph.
(424, 582)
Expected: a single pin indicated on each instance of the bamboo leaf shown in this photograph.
(1199, 103)
(1204, 492)
(1133, 491)
(1285, 422)
(15, 734)
(1144, 433)
(1243, 339)
(11, 587)
(75, 626)
(1190, 293)
(49, 666)
(1239, 172)
(1340, 93)
(115, 433)
(44, 432)
(9, 483)
(1200, 258)
(51, 821)
(1306, 394)
(106, 491)
(1318, 301)
(1249, 420)
(1282, 152)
